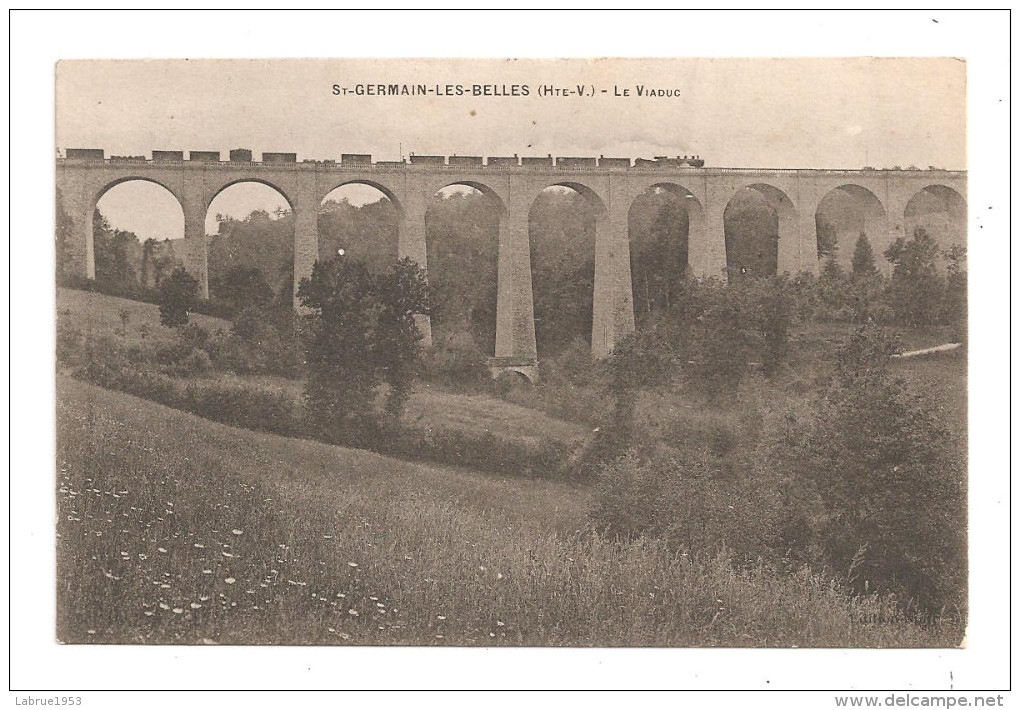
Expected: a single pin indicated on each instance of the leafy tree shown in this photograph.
(562, 232)
(862, 264)
(828, 241)
(178, 295)
(954, 309)
(892, 487)
(117, 254)
(244, 287)
(916, 288)
(403, 296)
(364, 334)
(658, 252)
(64, 241)
(831, 269)
(342, 375)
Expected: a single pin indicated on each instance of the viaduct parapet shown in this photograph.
(609, 184)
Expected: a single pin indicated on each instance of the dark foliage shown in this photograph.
(178, 296)
(892, 484)
(364, 333)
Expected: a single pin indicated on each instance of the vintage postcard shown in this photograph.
(584, 353)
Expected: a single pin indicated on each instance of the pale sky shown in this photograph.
(781, 113)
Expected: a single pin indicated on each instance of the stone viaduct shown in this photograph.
(609, 184)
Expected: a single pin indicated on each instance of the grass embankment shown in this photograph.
(174, 529)
(429, 410)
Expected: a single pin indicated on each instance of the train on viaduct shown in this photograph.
(610, 185)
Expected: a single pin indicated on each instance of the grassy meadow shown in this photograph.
(174, 529)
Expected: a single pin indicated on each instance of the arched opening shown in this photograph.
(755, 220)
(362, 220)
(562, 224)
(462, 223)
(942, 212)
(659, 224)
(844, 215)
(135, 227)
(251, 244)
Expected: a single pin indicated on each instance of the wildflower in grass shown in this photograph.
(203, 598)
(195, 605)
(178, 610)
(148, 613)
(229, 580)
(500, 623)
(352, 612)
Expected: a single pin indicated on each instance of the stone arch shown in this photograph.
(367, 228)
(941, 210)
(588, 193)
(753, 247)
(462, 253)
(381, 187)
(482, 187)
(223, 251)
(133, 178)
(147, 260)
(664, 264)
(261, 181)
(565, 269)
(857, 211)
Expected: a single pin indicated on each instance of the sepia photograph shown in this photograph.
(510, 352)
(518, 354)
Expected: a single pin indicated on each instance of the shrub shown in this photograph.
(692, 500)
(185, 354)
(916, 289)
(457, 363)
(256, 346)
(892, 483)
(177, 298)
(69, 341)
(244, 405)
(364, 333)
